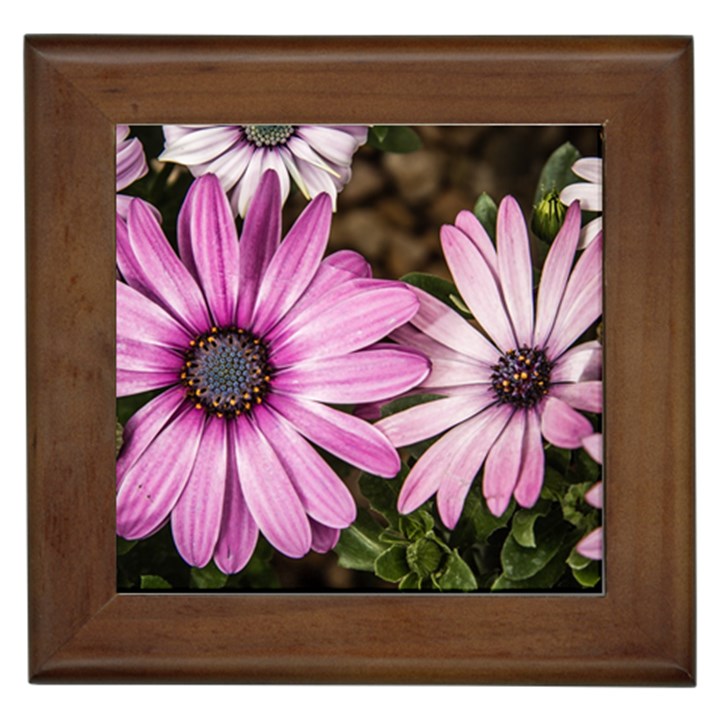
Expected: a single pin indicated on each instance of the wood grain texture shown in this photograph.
(643, 629)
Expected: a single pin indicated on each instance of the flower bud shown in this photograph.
(423, 557)
(548, 216)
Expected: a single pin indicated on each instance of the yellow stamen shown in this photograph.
(524, 375)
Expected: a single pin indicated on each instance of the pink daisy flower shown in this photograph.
(514, 383)
(591, 546)
(251, 340)
(316, 157)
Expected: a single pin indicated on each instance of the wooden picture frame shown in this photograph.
(642, 631)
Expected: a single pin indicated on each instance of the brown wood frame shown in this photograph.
(641, 632)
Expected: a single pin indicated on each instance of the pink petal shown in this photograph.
(515, 268)
(593, 445)
(343, 435)
(324, 538)
(153, 484)
(208, 244)
(142, 428)
(362, 376)
(449, 465)
(472, 227)
(373, 309)
(591, 546)
(132, 382)
(238, 530)
(322, 493)
(448, 328)
(197, 516)
(258, 242)
(477, 286)
(582, 303)
(590, 232)
(171, 284)
(586, 396)
(294, 265)
(555, 275)
(532, 470)
(333, 144)
(429, 419)
(351, 262)
(562, 426)
(269, 494)
(502, 467)
(583, 362)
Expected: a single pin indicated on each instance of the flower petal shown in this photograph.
(335, 145)
(372, 309)
(593, 445)
(515, 268)
(448, 328)
(151, 487)
(586, 396)
(246, 190)
(238, 530)
(161, 271)
(582, 303)
(197, 144)
(362, 376)
(555, 275)
(502, 468)
(209, 247)
(472, 227)
(589, 195)
(258, 242)
(351, 262)
(583, 362)
(144, 425)
(431, 418)
(589, 232)
(477, 286)
(324, 538)
(591, 546)
(589, 168)
(196, 518)
(532, 470)
(132, 382)
(562, 426)
(322, 493)
(269, 494)
(347, 437)
(294, 265)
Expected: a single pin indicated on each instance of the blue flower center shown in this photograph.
(521, 377)
(227, 372)
(268, 135)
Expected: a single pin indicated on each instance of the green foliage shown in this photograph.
(360, 544)
(394, 139)
(486, 211)
(557, 173)
(523, 523)
(154, 582)
(207, 578)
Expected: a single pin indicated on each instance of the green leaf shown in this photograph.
(391, 565)
(554, 485)
(589, 576)
(577, 561)
(456, 575)
(543, 580)
(154, 582)
(575, 508)
(380, 132)
(438, 287)
(208, 578)
(520, 563)
(485, 211)
(416, 525)
(558, 458)
(123, 546)
(360, 544)
(383, 493)
(587, 470)
(556, 173)
(477, 523)
(118, 436)
(523, 523)
(394, 139)
(410, 582)
(404, 403)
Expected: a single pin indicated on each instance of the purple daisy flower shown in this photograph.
(250, 339)
(130, 164)
(508, 388)
(591, 546)
(316, 157)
